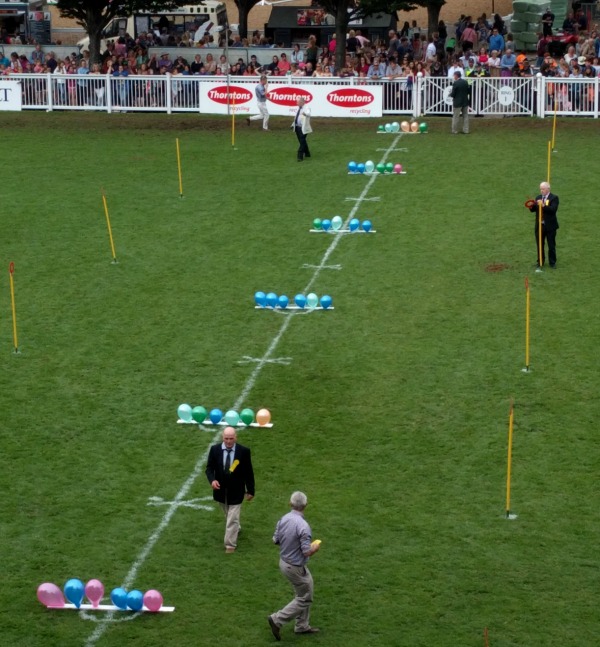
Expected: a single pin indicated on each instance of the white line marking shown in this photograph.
(190, 503)
(321, 267)
(376, 199)
(201, 462)
(393, 150)
(276, 360)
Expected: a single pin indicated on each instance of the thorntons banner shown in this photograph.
(10, 95)
(324, 100)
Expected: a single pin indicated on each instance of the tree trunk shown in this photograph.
(243, 19)
(341, 26)
(433, 17)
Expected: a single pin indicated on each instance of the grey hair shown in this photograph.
(545, 185)
(298, 500)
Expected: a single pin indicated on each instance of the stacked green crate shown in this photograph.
(526, 24)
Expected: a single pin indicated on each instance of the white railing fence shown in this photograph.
(168, 93)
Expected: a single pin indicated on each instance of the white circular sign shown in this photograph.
(506, 95)
(447, 97)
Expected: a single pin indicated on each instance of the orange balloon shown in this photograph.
(414, 126)
(405, 127)
(263, 417)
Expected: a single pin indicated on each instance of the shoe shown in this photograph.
(229, 549)
(248, 120)
(307, 155)
(553, 266)
(310, 630)
(300, 159)
(274, 628)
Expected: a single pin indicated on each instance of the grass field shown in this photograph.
(392, 414)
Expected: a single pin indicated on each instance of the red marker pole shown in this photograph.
(11, 271)
(485, 637)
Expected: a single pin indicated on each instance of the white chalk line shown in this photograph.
(200, 463)
(307, 266)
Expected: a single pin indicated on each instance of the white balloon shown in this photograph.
(336, 222)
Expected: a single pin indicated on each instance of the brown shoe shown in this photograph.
(230, 549)
(274, 628)
(310, 630)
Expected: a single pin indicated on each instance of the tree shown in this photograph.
(346, 11)
(244, 7)
(94, 15)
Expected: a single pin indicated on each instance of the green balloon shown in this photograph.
(423, 127)
(199, 414)
(389, 167)
(381, 167)
(247, 416)
(381, 128)
(317, 223)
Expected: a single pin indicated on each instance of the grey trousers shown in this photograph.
(264, 114)
(457, 113)
(299, 608)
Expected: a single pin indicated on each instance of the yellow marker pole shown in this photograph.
(110, 236)
(179, 168)
(540, 242)
(509, 463)
(233, 121)
(554, 126)
(11, 271)
(526, 369)
(549, 157)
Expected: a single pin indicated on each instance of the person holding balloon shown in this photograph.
(231, 476)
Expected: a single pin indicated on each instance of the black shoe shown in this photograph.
(310, 630)
(274, 628)
(307, 155)
(300, 159)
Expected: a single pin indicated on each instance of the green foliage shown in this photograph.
(392, 415)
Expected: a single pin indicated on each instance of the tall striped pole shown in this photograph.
(509, 462)
(179, 167)
(527, 300)
(11, 271)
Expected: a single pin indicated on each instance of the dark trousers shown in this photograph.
(303, 148)
(549, 236)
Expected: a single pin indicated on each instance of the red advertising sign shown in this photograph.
(350, 97)
(287, 96)
(237, 94)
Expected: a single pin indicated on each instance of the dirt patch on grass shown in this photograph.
(496, 267)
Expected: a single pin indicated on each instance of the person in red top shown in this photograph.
(283, 65)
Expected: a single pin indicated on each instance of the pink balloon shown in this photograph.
(50, 595)
(94, 591)
(398, 168)
(153, 600)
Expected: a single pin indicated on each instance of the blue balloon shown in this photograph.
(119, 598)
(367, 225)
(352, 167)
(300, 300)
(74, 590)
(135, 600)
(354, 223)
(215, 416)
(360, 168)
(283, 302)
(260, 298)
(326, 301)
(271, 299)
(326, 224)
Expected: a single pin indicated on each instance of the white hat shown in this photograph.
(582, 60)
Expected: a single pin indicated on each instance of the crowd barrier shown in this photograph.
(349, 97)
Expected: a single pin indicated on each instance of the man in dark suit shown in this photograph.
(230, 474)
(549, 206)
(461, 95)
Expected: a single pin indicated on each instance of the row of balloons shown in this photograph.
(336, 223)
(50, 595)
(232, 418)
(310, 301)
(405, 127)
(370, 167)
